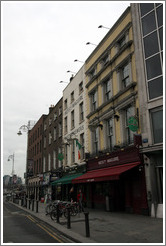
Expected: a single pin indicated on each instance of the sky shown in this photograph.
(39, 42)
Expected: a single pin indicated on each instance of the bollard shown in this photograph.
(33, 205)
(68, 218)
(87, 224)
(57, 213)
(29, 203)
(37, 204)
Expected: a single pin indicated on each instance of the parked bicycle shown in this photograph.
(50, 207)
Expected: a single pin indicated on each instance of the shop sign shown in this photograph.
(133, 124)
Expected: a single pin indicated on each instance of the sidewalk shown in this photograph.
(106, 227)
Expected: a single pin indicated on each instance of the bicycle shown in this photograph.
(50, 207)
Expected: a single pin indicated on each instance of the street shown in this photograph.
(21, 227)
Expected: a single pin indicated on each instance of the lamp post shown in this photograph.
(91, 43)
(9, 158)
(25, 128)
(101, 26)
(78, 61)
(63, 82)
(70, 72)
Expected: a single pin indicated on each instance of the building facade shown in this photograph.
(52, 149)
(147, 21)
(35, 158)
(115, 171)
(74, 133)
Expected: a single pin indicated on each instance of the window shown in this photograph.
(44, 142)
(65, 128)
(93, 97)
(55, 133)
(110, 133)
(55, 116)
(50, 138)
(148, 23)
(73, 152)
(54, 159)
(49, 162)
(146, 7)
(59, 161)
(92, 73)
(152, 28)
(157, 125)
(125, 72)
(153, 66)
(60, 129)
(72, 96)
(82, 150)
(72, 120)
(129, 135)
(81, 112)
(95, 141)
(104, 60)
(107, 90)
(121, 42)
(151, 44)
(65, 104)
(44, 164)
(45, 127)
(60, 110)
(155, 87)
(80, 87)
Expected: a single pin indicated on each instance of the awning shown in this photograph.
(111, 173)
(66, 179)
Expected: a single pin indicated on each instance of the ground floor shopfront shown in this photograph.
(116, 182)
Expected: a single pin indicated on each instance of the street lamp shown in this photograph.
(101, 26)
(63, 82)
(90, 43)
(78, 61)
(70, 72)
(9, 158)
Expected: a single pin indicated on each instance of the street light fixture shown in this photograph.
(101, 26)
(90, 43)
(78, 61)
(9, 158)
(70, 72)
(63, 82)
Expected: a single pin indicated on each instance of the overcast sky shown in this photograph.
(40, 41)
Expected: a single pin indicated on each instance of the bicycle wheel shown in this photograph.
(53, 214)
(48, 209)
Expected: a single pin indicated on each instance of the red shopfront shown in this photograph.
(117, 179)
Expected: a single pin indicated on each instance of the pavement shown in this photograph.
(106, 227)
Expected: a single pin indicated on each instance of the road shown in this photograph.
(21, 227)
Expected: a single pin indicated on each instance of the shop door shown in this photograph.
(136, 194)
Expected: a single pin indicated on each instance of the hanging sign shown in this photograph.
(60, 156)
(133, 123)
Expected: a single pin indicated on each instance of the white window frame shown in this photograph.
(54, 159)
(44, 164)
(81, 110)
(49, 162)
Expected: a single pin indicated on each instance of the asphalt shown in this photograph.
(106, 227)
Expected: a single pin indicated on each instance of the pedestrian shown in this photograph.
(81, 200)
(71, 195)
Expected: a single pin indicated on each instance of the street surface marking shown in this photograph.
(50, 232)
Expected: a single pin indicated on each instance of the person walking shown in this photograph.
(71, 195)
(81, 200)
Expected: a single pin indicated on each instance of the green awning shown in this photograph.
(66, 179)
